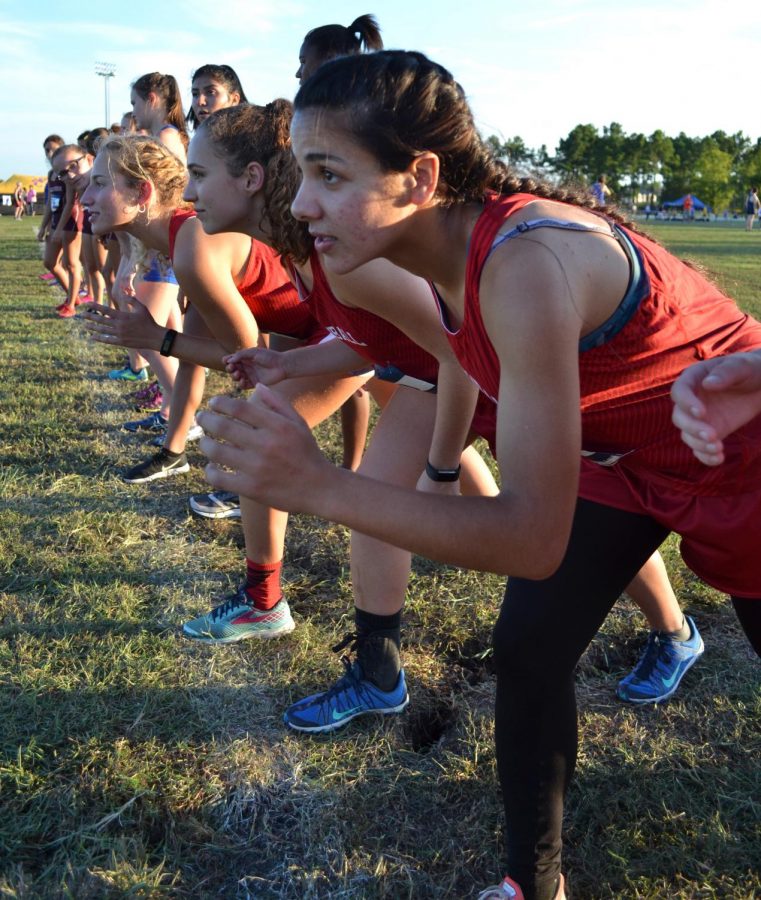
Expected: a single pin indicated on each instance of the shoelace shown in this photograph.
(649, 660)
(224, 608)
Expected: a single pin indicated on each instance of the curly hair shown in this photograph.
(249, 133)
(396, 104)
(138, 159)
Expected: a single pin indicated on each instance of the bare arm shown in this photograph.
(407, 301)
(263, 450)
(260, 366)
(204, 266)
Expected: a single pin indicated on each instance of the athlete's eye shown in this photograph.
(328, 176)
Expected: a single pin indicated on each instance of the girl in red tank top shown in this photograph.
(236, 289)
(369, 335)
(393, 167)
(240, 139)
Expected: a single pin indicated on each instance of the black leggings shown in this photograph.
(542, 630)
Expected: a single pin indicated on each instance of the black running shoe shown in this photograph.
(161, 465)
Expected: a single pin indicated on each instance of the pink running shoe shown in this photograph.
(66, 312)
(149, 398)
(508, 889)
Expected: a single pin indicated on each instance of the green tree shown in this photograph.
(712, 177)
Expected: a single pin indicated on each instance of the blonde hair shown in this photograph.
(139, 158)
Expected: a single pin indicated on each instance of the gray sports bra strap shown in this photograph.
(532, 224)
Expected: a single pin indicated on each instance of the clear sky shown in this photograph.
(534, 68)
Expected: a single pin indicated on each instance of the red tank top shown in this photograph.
(381, 342)
(266, 288)
(625, 382)
(371, 336)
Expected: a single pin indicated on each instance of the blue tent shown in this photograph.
(696, 204)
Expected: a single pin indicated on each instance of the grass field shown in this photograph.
(135, 763)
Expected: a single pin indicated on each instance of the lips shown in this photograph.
(323, 242)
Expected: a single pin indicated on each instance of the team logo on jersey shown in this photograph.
(344, 336)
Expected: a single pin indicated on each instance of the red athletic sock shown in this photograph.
(263, 583)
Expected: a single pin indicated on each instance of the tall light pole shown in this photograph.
(106, 71)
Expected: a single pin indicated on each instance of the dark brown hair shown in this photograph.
(397, 104)
(165, 87)
(224, 75)
(249, 133)
(329, 41)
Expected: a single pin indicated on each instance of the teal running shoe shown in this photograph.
(662, 666)
(351, 696)
(236, 619)
(128, 374)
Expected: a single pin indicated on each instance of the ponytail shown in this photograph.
(329, 41)
(165, 87)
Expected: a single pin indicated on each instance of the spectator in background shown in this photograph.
(31, 199)
(600, 191)
(688, 207)
(752, 205)
(18, 202)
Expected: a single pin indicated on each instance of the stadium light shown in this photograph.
(106, 71)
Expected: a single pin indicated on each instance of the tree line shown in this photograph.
(640, 168)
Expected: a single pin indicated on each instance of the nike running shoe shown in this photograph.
(351, 696)
(236, 619)
(195, 433)
(66, 312)
(662, 666)
(216, 505)
(160, 465)
(155, 422)
(128, 374)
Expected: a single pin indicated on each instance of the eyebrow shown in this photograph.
(323, 157)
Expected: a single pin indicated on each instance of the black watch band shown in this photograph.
(166, 344)
(441, 474)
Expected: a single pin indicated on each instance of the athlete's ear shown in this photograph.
(423, 172)
(144, 193)
(253, 177)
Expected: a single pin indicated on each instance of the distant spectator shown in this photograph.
(31, 199)
(648, 211)
(752, 206)
(688, 207)
(600, 191)
(19, 199)
(129, 123)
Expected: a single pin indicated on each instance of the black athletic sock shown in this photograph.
(681, 634)
(378, 643)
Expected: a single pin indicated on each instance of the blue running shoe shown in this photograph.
(662, 666)
(128, 374)
(154, 422)
(351, 696)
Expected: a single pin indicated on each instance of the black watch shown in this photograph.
(441, 474)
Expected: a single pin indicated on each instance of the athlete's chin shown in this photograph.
(339, 263)
(207, 222)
